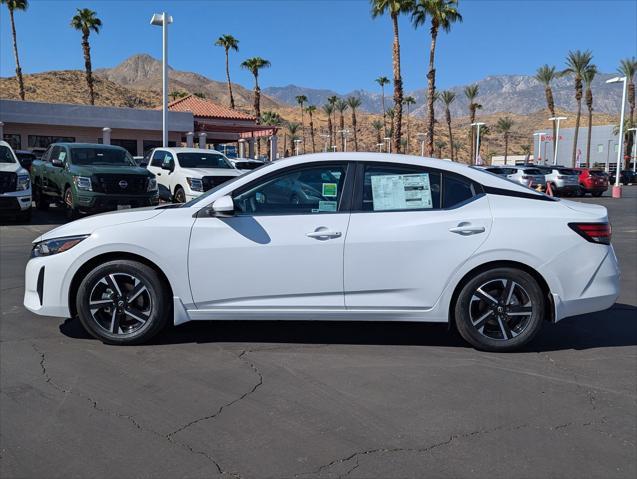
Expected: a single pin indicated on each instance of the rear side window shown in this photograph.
(532, 171)
(568, 171)
(457, 190)
(400, 188)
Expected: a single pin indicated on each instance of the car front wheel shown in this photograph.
(500, 310)
(123, 302)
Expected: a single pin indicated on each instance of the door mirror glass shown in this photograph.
(168, 165)
(57, 163)
(223, 206)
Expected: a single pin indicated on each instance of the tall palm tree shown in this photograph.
(526, 149)
(395, 8)
(293, 128)
(447, 97)
(332, 101)
(14, 5)
(328, 109)
(228, 42)
(628, 68)
(310, 111)
(545, 75)
(255, 64)
(301, 99)
(471, 92)
(577, 62)
(589, 76)
(86, 20)
(443, 13)
(382, 81)
(341, 105)
(377, 125)
(354, 103)
(408, 101)
(271, 118)
(504, 126)
(440, 144)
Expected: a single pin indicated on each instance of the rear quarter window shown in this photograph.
(458, 190)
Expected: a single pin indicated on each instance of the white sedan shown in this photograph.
(336, 236)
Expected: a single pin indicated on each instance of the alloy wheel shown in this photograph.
(120, 303)
(500, 309)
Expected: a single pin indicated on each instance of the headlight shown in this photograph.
(55, 245)
(83, 183)
(23, 183)
(152, 184)
(195, 184)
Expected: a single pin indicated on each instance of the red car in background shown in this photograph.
(592, 181)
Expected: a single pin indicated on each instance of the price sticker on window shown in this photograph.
(329, 190)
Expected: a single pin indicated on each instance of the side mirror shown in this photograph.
(168, 165)
(57, 163)
(223, 207)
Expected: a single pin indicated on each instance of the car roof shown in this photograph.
(4, 143)
(184, 149)
(87, 145)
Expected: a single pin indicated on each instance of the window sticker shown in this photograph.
(62, 155)
(401, 192)
(329, 190)
(327, 206)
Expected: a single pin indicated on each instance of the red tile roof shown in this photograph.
(206, 109)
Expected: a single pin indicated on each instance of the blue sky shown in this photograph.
(327, 43)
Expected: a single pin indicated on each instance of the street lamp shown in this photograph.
(327, 137)
(333, 148)
(617, 189)
(478, 124)
(380, 147)
(421, 136)
(345, 134)
(163, 20)
(539, 145)
(557, 135)
(296, 147)
(388, 140)
(633, 157)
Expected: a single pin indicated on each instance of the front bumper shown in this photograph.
(15, 202)
(107, 202)
(44, 291)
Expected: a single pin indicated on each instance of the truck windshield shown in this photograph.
(5, 155)
(101, 156)
(202, 160)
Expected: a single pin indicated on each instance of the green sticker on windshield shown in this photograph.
(329, 190)
(62, 155)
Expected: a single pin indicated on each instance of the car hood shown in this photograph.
(12, 167)
(594, 211)
(90, 224)
(88, 170)
(199, 172)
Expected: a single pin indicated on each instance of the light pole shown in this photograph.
(296, 147)
(478, 124)
(333, 148)
(617, 189)
(557, 135)
(633, 156)
(539, 145)
(327, 139)
(421, 136)
(345, 134)
(380, 147)
(163, 20)
(388, 140)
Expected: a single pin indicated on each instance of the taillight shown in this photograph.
(594, 232)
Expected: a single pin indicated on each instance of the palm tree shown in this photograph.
(377, 125)
(328, 109)
(310, 110)
(443, 13)
(341, 105)
(526, 149)
(440, 144)
(447, 97)
(628, 68)
(301, 99)
(271, 118)
(577, 62)
(382, 81)
(86, 20)
(354, 103)
(408, 101)
(228, 42)
(255, 64)
(589, 75)
(545, 75)
(293, 128)
(395, 8)
(14, 5)
(471, 92)
(332, 101)
(504, 126)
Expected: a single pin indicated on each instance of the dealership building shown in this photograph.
(191, 121)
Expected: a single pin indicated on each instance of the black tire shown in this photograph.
(41, 202)
(70, 210)
(597, 193)
(180, 195)
(508, 324)
(111, 322)
(581, 192)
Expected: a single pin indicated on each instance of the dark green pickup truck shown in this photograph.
(88, 178)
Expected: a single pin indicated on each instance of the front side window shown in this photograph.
(5, 155)
(101, 156)
(203, 160)
(316, 189)
(57, 153)
(158, 158)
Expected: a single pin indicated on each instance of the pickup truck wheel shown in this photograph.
(180, 195)
(40, 199)
(70, 211)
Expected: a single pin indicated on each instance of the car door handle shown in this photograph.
(158, 174)
(323, 233)
(466, 229)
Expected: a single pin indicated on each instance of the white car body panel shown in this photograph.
(383, 266)
(22, 197)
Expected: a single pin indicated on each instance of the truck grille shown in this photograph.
(209, 182)
(120, 184)
(8, 181)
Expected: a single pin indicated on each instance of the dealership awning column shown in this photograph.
(190, 139)
(106, 135)
(273, 147)
(202, 140)
(251, 148)
(1, 130)
(242, 148)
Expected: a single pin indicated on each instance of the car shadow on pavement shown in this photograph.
(612, 328)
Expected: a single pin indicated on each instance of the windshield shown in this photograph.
(5, 155)
(90, 155)
(532, 171)
(203, 160)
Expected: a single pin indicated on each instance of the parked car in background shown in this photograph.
(626, 177)
(525, 175)
(245, 164)
(188, 172)
(25, 158)
(564, 181)
(592, 181)
(89, 178)
(387, 238)
(38, 151)
(15, 185)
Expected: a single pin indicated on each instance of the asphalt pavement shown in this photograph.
(317, 400)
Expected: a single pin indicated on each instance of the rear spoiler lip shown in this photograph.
(517, 194)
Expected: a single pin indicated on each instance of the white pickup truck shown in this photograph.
(15, 185)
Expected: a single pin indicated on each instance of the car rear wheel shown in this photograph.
(180, 195)
(70, 211)
(123, 302)
(500, 310)
(597, 193)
